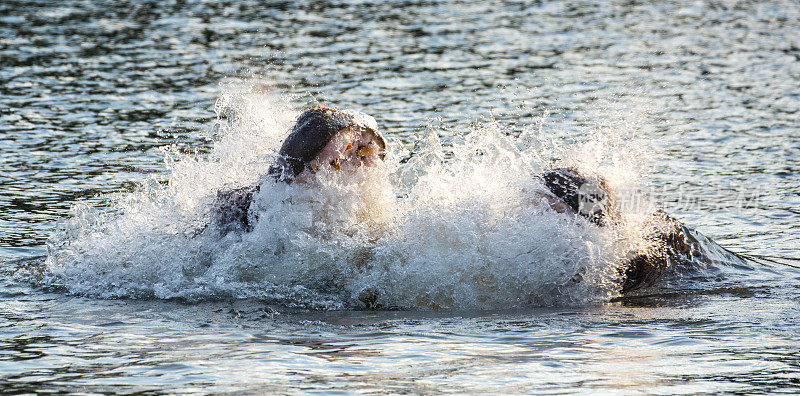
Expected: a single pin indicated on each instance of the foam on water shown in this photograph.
(421, 233)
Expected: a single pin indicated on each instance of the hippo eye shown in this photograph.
(336, 164)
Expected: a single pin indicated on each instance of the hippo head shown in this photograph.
(326, 137)
(588, 196)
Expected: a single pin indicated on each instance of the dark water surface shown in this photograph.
(91, 91)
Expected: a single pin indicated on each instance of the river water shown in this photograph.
(120, 121)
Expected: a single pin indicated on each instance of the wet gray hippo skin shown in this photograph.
(590, 197)
(312, 132)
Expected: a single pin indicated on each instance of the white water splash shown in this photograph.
(468, 233)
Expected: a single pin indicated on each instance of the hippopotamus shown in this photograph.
(591, 198)
(342, 140)
(322, 137)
